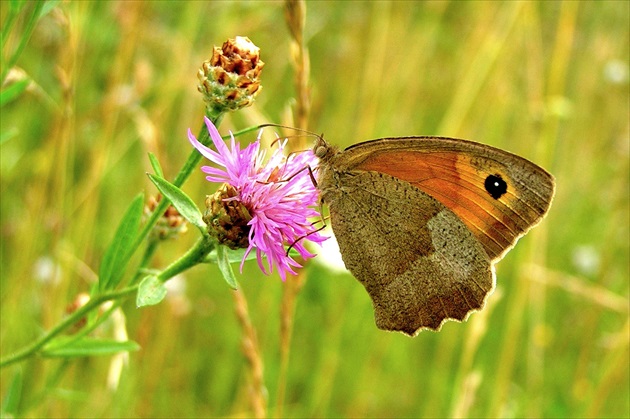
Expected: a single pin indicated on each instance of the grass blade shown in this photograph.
(155, 164)
(11, 401)
(90, 347)
(119, 252)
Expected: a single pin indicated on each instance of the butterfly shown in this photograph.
(421, 221)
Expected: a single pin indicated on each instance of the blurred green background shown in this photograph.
(114, 80)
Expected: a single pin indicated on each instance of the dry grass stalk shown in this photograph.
(257, 391)
(295, 15)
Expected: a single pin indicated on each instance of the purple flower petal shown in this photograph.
(279, 196)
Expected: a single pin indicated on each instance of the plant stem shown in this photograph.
(184, 173)
(192, 257)
(32, 19)
(95, 302)
(146, 258)
(195, 156)
(295, 16)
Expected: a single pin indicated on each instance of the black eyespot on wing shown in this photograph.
(495, 186)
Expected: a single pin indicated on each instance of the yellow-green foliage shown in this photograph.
(112, 81)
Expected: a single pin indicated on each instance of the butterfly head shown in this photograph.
(324, 151)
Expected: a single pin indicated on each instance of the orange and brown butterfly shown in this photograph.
(421, 221)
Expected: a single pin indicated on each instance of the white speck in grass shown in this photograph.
(616, 72)
(586, 260)
(176, 297)
(47, 271)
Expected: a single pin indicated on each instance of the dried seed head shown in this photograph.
(230, 79)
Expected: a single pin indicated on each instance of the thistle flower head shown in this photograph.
(261, 206)
(230, 79)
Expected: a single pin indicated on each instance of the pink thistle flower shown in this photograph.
(278, 195)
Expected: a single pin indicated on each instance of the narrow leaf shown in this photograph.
(181, 201)
(8, 134)
(151, 291)
(236, 255)
(11, 401)
(16, 5)
(223, 262)
(90, 347)
(120, 251)
(155, 164)
(50, 5)
(233, 256)
(13, 91)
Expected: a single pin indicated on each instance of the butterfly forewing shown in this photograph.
(455, 172)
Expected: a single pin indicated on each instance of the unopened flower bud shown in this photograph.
(170, 225)
(230, 79)
(227, 218)
(80, 300)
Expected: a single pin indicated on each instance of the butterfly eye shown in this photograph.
(496, 186)
(320, 151)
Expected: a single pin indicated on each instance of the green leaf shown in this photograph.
(13, 91)
(50, 5)
(151, 291)
(155, 164)
(233, 255)
(223, 262)
(16, 5)
(8, 134)
(87, 346)
(120, 250)
(181, 201)
(236, 255)
(11, 401)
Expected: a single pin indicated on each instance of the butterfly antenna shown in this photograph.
(309, 133)
(304, 131)
(306, 235)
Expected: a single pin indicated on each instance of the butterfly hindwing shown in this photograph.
(417, 260)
